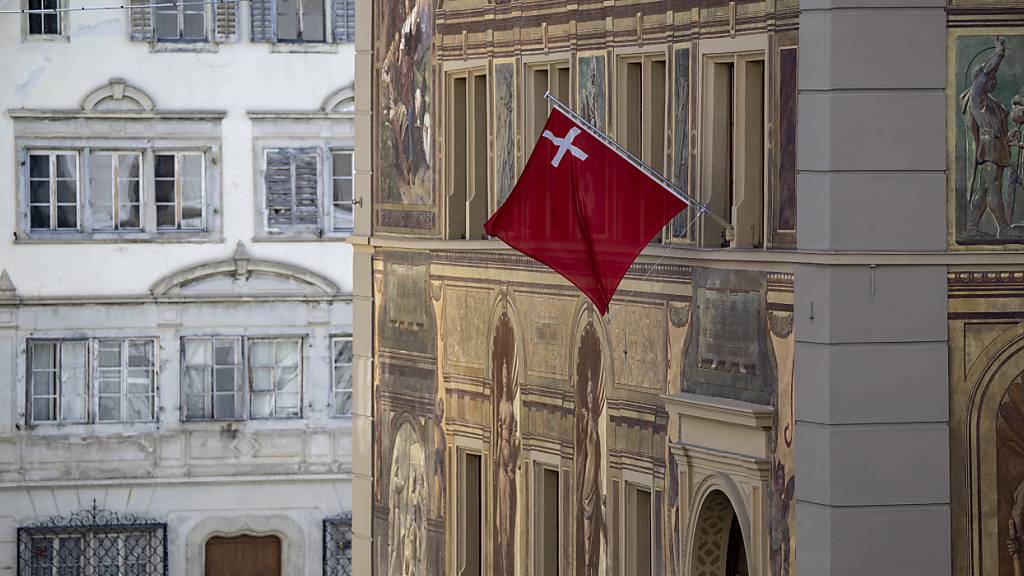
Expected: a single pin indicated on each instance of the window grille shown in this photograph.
(93, 542)
(338, 545)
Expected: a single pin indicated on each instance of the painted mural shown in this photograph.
(781, 490)
(788, 95)
(505, 381)
(406, 127)
(504, 129)
(407, 499)
(989, 164)
(1010, 478)
(681, 135)
(590, 95)
(590, 499)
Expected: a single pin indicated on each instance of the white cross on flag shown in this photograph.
(583, 208)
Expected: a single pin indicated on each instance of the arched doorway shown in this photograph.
(718, 545)
(243, 556)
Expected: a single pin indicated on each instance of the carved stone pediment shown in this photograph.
(242, 276)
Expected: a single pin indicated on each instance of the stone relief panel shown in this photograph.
(591, 530)
(465, 334)
(505, 377)
(547, 320)
(504, 129)
(727, 353)
(591, 74)
(638, 336)
(405, 35)
(988, 80)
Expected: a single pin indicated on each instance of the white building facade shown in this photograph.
(175, 301)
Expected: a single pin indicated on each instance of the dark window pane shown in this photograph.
(165, 191)
(39, 191)
(67, 192)
(67, 166)
(165, 24)
(50, 24)
(67, 217)
(342, 164)
(40, 217)
(313, 20)
(224, 406)
(164, 166)
(165, 216)
(35, 23)
(194, 26)
(287, 20)
(39, 166)
(343, 190)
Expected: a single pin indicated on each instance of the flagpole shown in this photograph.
(646, 169)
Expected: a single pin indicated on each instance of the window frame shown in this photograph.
(53, 204)
(245, 391)
(179, 203)
(327, 8)
(123, 373)
(333, 177)
(273, 392)
(62, 27)
(335, 340)
(90, 374)
(180, 10)
(293, 229)
(115, 191)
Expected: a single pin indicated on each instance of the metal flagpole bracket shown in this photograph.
(730, 232)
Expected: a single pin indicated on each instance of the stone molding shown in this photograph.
(285, 528)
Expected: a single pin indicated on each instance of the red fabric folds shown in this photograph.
(583, 209)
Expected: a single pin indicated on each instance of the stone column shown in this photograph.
(872, 440)
(362, 301)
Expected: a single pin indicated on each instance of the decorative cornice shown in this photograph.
(118, 90)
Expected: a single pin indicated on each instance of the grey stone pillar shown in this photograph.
(872, 440)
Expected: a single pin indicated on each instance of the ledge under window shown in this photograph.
(50, 237)
(177, 46)
(303, 47)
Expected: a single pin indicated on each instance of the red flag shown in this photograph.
(583, 209)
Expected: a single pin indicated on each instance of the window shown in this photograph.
(303, 21)
(114, 183)
(214, 371)
(553, 77)
(638, 531)
(734, 141)
(300, 21)
(42, 23)
(467, 156)
(129, 194)
(57, 374)
(213, 378)
(338, 546)
(642, 109)
(53, 190)
(126, 378)
(547, 513)
(183, 21)
(94, 543)
(274, 367)
(292, 189)
(341, 375)
(342, 186)
(123, 384)
(470, 520)
(180, 191)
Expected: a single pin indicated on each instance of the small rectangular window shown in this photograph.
(179, 180)
(275, 377)
(212, 370)
(548, 515)
(638, 531)
(292, 189)
(341, 371)
(342, 186)
(126, 380)
(115, 188)
(44, 17)
(53, 190)
(58, 389)
(179, 21)
(470, 515)
(301, 21)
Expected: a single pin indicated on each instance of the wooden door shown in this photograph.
(243, 556)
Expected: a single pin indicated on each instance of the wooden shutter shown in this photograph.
(262, 12)
(344, 15)
(225, 21)
(142, 21)
(292, 179)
